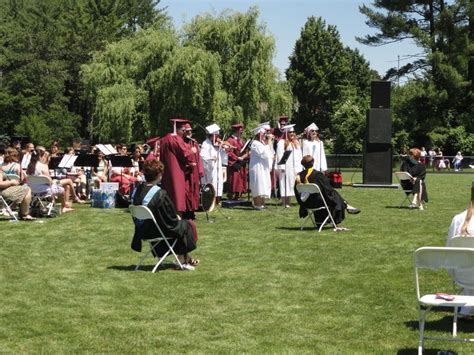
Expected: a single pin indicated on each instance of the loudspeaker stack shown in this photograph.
(377, 169)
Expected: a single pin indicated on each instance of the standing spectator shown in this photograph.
(431, 154)
(423, 156)
(457, 161)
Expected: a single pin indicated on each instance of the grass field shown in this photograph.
(263, 286)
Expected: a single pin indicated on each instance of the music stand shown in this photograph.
(54, 164)
(107, 149)
(283, 161)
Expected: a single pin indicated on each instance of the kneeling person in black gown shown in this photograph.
(164, 211)
(336, 204)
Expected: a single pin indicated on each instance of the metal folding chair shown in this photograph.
(404, 177)
(309, 189)
(442, 258)
(7, 208)
(144, 213)
(41, 192)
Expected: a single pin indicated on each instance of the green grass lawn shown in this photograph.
(263, 286)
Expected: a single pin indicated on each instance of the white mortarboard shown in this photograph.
(258, 129)
(288, 128)
(265, 125)
(312, 127)
(212, 129)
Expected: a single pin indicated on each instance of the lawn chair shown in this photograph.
(449, 259)
(308, 189)
(7, 208)
(41, 192)
(406, 183)
(143, 213)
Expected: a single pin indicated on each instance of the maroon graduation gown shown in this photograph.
(194, 171)
(237, 178)
(176, 156)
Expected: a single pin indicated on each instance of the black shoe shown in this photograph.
(353, 210)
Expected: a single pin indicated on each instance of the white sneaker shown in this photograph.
(187, 267)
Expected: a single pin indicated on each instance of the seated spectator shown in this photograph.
(99, 173)
(38, 166)
(13, 192)
(165, 214)
(417, 170)
(11, 163)
(337, 205)
(457, 160)
(123, 175)
(463, 225)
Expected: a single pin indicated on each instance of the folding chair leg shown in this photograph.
(304, 221)
(421, 321)
(455, 322)
(141, 260)
(322, 224)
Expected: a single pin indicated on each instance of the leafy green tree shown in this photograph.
(244, 52)
(331, 84)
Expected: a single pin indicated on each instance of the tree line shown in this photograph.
(117, 71)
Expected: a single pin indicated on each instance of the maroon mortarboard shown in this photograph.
(237, 126)
(283, 119)
(152, 141)
(178, 122)
(187, 127)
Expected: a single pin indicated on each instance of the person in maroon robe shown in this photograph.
(176, 155)
(236, 169)
(278, 132)
(193, 174)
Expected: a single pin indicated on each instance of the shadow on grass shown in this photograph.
(305, 229)
(147, 268)
(425, 351)
(443, 324)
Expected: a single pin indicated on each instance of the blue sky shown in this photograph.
(285, 19)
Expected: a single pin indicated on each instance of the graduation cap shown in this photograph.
(265, 125)
(311, 127)
(187, 127)
(288, 128)
(282, 121)
(259, 129)
(237, 126)
(152, 141)
(212, 129)
(178, 123)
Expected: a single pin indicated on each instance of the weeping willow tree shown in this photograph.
(220, 72)
(117, 84)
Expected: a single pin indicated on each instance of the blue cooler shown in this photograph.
(103, 198)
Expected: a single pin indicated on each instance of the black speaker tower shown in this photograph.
(377, 165)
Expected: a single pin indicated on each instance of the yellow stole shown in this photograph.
(310, 171)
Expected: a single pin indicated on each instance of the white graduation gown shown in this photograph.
(213, 158)
(290, 169)
(316, 150)
(464, 276)
(261, 158)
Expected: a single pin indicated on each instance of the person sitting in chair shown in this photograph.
(158, 201)
(463, 225)
(417, 170)
(337, 205)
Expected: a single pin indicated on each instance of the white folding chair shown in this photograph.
(41, 192)
(144, 213)
(309, 189)
(404, 176)
(445, 258)
(7, 207)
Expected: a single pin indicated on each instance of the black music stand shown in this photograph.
(53, 164)
(283, 160)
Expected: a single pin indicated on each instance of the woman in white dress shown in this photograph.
(314, 146)
(214, 158)
(463, 225)
(292, 166)
(261, 158)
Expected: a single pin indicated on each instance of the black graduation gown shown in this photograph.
(335, 202)
(418, 171)
(165, 214)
